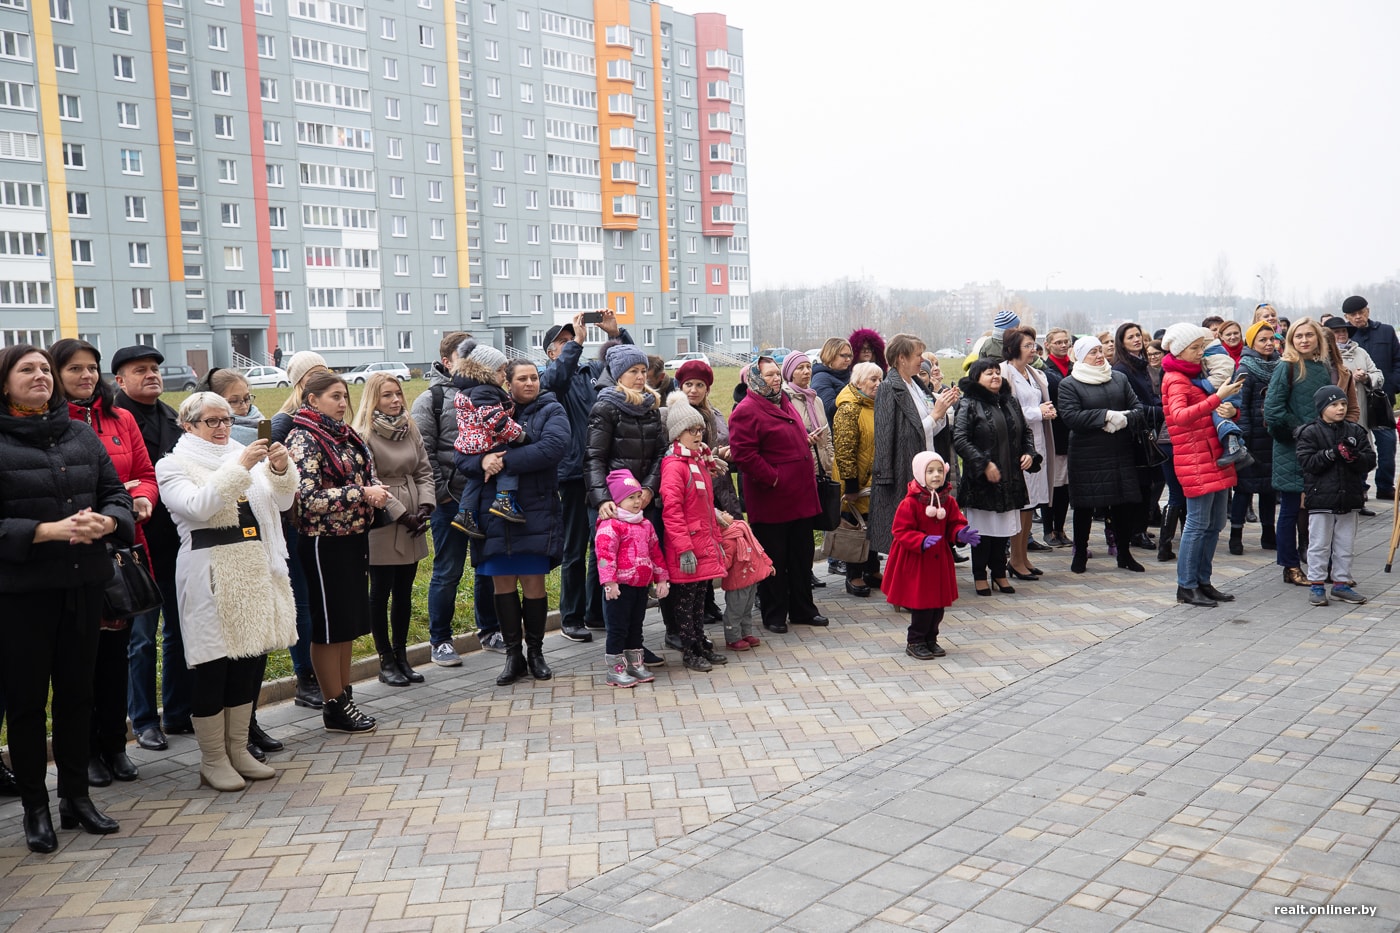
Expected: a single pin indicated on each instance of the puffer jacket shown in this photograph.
(629, 553)
(1101, 465)
(121, 438)
(1256, 370)
(572, 380)
(436, 418)
(1195, 442)
(853, 432)
(991, 429)
(53, 466)
(828, 383)
(688, 519)
(1288, 405)
(748, 564)
(1330, 483)
(535, 463)
(621, 440)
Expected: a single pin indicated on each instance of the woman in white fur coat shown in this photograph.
(231, 576)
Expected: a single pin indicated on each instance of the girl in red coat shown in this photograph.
(694, 554)
(919, 574)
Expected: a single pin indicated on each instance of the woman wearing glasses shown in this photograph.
(232, 387)
(833, 373)
(231, 575)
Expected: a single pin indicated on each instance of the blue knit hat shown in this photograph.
(622, 358)
(1326, 396)
(1005, 320)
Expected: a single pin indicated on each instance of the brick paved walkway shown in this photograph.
(1064, 768)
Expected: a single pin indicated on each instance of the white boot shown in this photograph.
(618, 675)
(636, 667)
(214, 767)
(236, 720)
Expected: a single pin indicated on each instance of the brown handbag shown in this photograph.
(847, 542)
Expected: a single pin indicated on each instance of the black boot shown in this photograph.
(401, 656)
(79, 811)
(38, 829)
(308, 692)
(1267, 541)
(536, 611)
(1164, 540)
(1194, 597)
(256, 736)
(508, 611)
(1237, 540)
(389, 672)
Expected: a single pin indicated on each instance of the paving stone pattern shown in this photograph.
(1088, 757)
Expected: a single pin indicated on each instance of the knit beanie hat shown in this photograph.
(623, 357)
(1180, 336)
(695, 369)
(1354, 304)
(301, 363)
(621, 484)
(1005, 319)
(1083, 345)
(1253, 332)
(921, 462)
(681, 415)
(487, 357)
(792, 361)
(1326, 396)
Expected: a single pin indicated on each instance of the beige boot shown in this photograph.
(214, 767)
(236, 720)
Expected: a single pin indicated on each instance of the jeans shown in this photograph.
(475, 486)
(176, 682)
(580, 594)
(1331, 540)
(623, 618)
(1385, 457)
(1286, 529)
(1175, 497)
(1195, 559)
(301, 597)
(449, 558)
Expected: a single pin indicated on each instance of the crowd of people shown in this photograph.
(305, 531)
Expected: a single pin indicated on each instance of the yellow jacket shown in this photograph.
(853, 433)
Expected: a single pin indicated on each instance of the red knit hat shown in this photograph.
(695, 369)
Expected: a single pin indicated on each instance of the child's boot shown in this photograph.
(465, 523)
(618, 675)
(1236, 454)
(504, 507)
(636, 666)
(695, 658)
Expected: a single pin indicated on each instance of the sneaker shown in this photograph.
(576, 633)
(493, 642)
(1317, 595)
(504, 507)
(919, 651)
(445, 655)
(652, 659)
(465, 523)
(342, 715)
(1346, 594)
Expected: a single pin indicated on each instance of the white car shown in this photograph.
(686, 358)
(259, 376)
(360, 374)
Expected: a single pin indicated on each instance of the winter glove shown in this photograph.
(1114, 421)
(663, 589)
(688, 562)
(1351, 443)
(969, 536)
(1345, 452)
(410, 521)
(611, 591)
(931, 540)
(425, 510)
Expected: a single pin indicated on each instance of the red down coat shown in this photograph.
(688, 517)
(1195, 444)
(916, 578)
(121, 436)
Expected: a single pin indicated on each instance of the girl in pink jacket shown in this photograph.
(747, 564)
(629, 561)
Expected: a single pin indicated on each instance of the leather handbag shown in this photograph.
(829, 496)
(132, 589)
(1378, 408)
(1148, 453)
(847, 542)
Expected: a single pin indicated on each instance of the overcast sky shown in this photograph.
(1093, 144)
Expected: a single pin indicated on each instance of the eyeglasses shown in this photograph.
(245, 400)
(846, 356)
(214, 424)
(698, 429)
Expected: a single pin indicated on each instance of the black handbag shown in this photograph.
(829, 496)
(1378, 409)
(132, 589)
(1147, 452)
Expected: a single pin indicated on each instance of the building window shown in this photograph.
(281, 260)
(425, 36)
(218, 38)
(235, 301)
(142, 301)
(135, 207)
(430, 114)
(439, 265)
(267, 88)
(405, 341)
(85, 298)
(437, 228)
(277, 218)
(131, 161)
(391, 69)
(276, 176)
(233, 257)
(78, 204)
(272, 132)
(218, 82)
(228, 215)
(394, 148)
(432, 153)
(502, 233)
(536, 268)
(124, 67)
(69, 107)
(128, 115)
(434, 190)
(228, 171)
(430, 76)
(82, 252)
(223, 126)
(266, 47)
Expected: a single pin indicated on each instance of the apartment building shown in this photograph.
(219, 177)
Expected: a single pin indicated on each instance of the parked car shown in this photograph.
(778, 354)
(177, 376)
(686, 358)
(258, 376)
(360, 374)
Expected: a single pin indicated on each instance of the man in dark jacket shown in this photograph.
(436, 418)
(139, 386)
(571, 380)
(1380, 342)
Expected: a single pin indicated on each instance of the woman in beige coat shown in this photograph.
(396, 548)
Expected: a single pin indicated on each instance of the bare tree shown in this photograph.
(1218, 285)
(1267, 274)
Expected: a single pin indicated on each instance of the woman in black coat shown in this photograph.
(995, 443)
(1130, 359)
(832, 373)
(1102, 412)
(60, 498)
(1257, 363)
(518, 557)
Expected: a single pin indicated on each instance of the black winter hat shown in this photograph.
(1326, 396)
(1354, 304)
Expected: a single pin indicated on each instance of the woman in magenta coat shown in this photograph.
(920, 574)
(768, 441)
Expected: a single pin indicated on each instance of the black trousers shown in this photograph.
(989, 555)
(923, 625)
(788, 593)
(109, 684)
(226, 682)
(390, 603)
(1053, 515)
(52, 639)
(580, 593)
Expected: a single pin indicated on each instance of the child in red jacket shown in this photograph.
(629, 560)
(919, 574)
(694, 554)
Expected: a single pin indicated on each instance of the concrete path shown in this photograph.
(1088, 757)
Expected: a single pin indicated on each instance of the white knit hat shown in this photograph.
(1180, 336)
(681, 415)
(1083, 345)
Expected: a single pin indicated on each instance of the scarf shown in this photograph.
(805, 398)
(1062, 363)
(338, 443)
(24, 411)
(1235, 351)
(1173, 365)
(391, 428)
(630, 400)
(631, 518)
(1093, 375)
(704, 455)
(760, 387)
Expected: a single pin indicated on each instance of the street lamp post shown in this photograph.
(782, 318)
(1047, 321)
